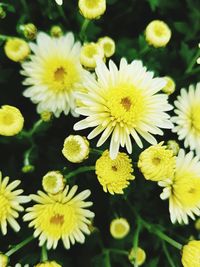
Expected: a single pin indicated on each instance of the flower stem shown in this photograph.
(171, 263)
(193, 62)
(79, 170)
(5, 37)
(118, 251)
(107, 258)
(96, 151)
(83, 29)
(44, 255)
(136, 239)
(19, 246)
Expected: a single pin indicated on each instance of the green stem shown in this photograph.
(44, 255)
(79, 170)
(136, 239)
(35, 127)
(83, 29)
(27, 156)
(118, 251)
(96, 151)
(171, 263)
(193, 62)
(107, 258)
(19, 246)
(5, 37)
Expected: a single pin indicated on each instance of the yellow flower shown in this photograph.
(61, 216)
(170, 85)
(119, 228)
(76, 148)
(157, 33)
(3, 260)
(11, 120)
(48, 264)
(89, 53)
(92, 9)
(191, 254)
(174, 146)
(108, 45)
(197, 224)
(157, 163)
(114, 175)
(139, 257)
(53, 182)
(187, 117)
(53, 73)
(16, 49)
(183, 190)
(123, 103)
(10, 204)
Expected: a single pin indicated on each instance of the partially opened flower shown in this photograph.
(53, 73)
(191, 254)
(10, 204)
(53, 182)
(170, 85)
(137, 256)
(187, 117)
(17, 49)
(89, 53)
(119, 228)
(123, 103)
(63, 216)
(108, 45)
(92, 9)
(183, 189)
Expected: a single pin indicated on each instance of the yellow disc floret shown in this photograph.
(108, 45)
(157, 163)
(17, 49)
(89, 53)
(53, 182)
(114, 175)
(92, 9)
(157, 33)
(137, 256)
(11, 120)
(191, 254)
(119, 228)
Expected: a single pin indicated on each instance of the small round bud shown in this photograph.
(46, 116)
(56, 31)
(29, 31)
(197, 224)
(170, 85)
(2, 13)
(89, 53)
(139, 257)
(3, 260)
(174, 146)
(108, 45)
(28, 168)
(119, 228)
(53, 182)
(16, 49)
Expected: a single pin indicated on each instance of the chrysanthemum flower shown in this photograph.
(62, 216)
(119, 228)
(11, 120)
(190, 254)
(10, 204)
(123, 103)
(108, 45)
(76, 148)
(92, 9)
(3, 260)
(53, 182)
(139, 257)
(170, 85)
(48, 264)
(187, 117)
(16, 49)
(157, 163)
(114, 174)
(89, 52)
(53, 73)
(157, 33)
(183, 190)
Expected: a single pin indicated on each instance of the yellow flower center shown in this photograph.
(159, 30)
(120, 228)
(156, 161)
(4, 207)
(73, 147)
(92, 3)
(7, 119)
(195, 118)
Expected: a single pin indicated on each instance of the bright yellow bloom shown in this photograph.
(139, 257)
(114, 174)
(191, 254)
(53, 182)
(48, 264)
(3, 260)
(119, 228)
(61, 216)
(16, 49)
(170, 85)
(108, 45)
(157, 163)
(183, 190)
(123, 103)
(53, 73)
(89, 53)
(92, 9)
(10, 204)
(187, 117)
(11, 120)
(174, 146)
(157, 33)
(76, 148)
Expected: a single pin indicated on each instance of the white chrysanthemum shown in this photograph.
(188, 117)
(123, 103)
(53, 73)
(183, 190)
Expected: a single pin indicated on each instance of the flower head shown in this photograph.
(187, 117)
(183, 189)
(139, 257)
(108, 45)
(92, 9)
(53, 73)
(114, 174)
(11, 120)
(123, 103)
(3, 260)
(191, 254)
(48, 264)
(157, 163)
(157, 33)
(170, 85)
(89, 52)
(61, 216)
(53, 182)
(119, 228)
(16, 49)
(10, 204)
